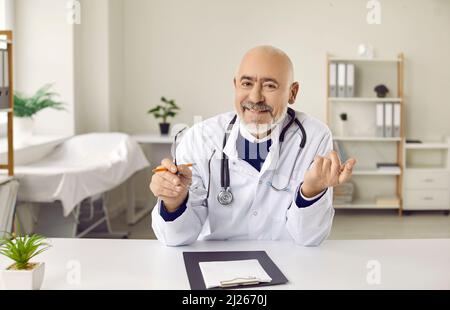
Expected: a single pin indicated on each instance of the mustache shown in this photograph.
(259, 107)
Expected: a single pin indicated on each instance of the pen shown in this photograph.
(161, 169)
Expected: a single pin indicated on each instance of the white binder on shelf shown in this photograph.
(341, 80)
(333, 80)
(388, 119)
(380, 120)
(396, 120)
(350, 81)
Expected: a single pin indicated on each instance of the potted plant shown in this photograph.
(23, 274)
(168, 109)
(25, 109)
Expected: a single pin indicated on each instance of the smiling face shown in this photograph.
(263, 87)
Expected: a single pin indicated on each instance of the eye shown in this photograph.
(270, 85)
(246, 84)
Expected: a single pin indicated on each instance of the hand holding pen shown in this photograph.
(171, 183)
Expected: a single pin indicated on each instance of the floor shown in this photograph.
(348, 224)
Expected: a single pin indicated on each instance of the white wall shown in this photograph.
(6, 14)
(116, 61)
(188, 50)
(127, 54)
(43, 53)
(92, 67)
(99, 65)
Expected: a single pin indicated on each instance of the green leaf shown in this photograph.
(22, 248)
(156, 109)
(28, 106)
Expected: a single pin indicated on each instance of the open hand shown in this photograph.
(326, 172)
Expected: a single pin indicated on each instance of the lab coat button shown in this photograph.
(255, 213)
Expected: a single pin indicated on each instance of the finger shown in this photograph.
(169, 185)
(161, 191)
(187, 182)
(185, 171)
(346, 174)
(326, 166)
(169, 165)
(170, 177)
(318, 161)
(335, 163)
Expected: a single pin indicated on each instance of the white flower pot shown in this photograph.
(23, 129)
(23, 279)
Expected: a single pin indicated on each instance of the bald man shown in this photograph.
(261, 172)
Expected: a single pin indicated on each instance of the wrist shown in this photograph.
(309, 191)
(172, 205)
(171, 208)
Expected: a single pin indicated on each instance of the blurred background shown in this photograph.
(83, 76)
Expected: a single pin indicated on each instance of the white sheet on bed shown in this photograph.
(81, 167)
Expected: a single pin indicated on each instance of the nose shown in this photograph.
(256, 95)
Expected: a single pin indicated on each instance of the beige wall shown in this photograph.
(99, 65)
(43, 53)
(125, 55)
(92, 68)
(188, 50)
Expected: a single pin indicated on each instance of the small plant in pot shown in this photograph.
(23, 274)
(25, 108)
(168, 109)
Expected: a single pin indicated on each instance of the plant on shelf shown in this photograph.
(168, 109)
(25, 108)
(23, 274)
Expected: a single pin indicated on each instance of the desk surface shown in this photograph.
(336, 264)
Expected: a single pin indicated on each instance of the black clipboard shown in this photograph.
(192, 260)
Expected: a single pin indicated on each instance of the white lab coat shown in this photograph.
(257, 211)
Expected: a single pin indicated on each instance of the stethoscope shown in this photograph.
(225, 196)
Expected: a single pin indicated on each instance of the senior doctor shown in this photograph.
(261, 172)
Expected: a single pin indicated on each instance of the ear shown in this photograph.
(234, 82)
(293, 92)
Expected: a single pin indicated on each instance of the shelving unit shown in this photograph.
(427, 178)
(374, 172)
(356, 60)
(363, 204)
(363, 99)
(6, 38)
(367, 140)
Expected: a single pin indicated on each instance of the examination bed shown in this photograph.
(76, 174)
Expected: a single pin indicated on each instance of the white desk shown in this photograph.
(146, 264)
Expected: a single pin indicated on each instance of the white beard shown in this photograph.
(252, 131)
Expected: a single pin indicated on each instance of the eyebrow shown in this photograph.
(263, 79)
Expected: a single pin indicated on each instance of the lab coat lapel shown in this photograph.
(274, 152)
(230, 147)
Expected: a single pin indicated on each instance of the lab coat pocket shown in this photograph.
(278, 224)
(221, 217)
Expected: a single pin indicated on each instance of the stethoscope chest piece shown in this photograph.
(225, 197)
